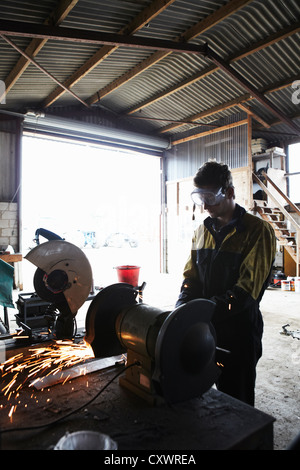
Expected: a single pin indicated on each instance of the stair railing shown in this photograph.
(294, 223)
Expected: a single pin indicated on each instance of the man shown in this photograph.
(230, 263)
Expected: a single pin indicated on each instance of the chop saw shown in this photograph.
(63, 278)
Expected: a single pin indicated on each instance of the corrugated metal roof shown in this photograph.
(33, 11)
(177, 87)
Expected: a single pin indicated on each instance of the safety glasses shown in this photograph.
(208, 197)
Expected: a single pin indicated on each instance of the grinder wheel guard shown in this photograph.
(185, 364)
(101, 318)
(180, 344)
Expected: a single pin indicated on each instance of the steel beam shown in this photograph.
(246, 85)
(59, 33)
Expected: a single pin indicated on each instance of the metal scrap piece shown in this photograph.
(293, 334)
(76, 371)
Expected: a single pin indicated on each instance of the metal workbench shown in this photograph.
(214, 421)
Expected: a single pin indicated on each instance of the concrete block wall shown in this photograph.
(9, 225)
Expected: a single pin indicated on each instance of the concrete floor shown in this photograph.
(278, 386)
(278, 371)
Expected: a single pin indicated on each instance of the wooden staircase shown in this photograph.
(286, 228)
(285, 237)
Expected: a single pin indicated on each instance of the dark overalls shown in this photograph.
(232, 267)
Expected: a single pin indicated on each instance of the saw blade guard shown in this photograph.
(65, 271)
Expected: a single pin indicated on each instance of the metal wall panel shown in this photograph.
(10, 132)
(229, 146)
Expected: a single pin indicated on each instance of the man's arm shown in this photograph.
(189, 291)
(191, 288)
(255, 271)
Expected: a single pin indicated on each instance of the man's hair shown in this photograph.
(213, 174)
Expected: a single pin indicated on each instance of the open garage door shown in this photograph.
(80, 131)
(105, 200)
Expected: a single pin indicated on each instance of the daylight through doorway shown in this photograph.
(105, 201)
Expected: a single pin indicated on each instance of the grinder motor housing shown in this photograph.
(173, 353)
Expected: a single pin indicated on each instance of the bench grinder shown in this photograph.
(173, 353)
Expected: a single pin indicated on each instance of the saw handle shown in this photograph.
(46, 234)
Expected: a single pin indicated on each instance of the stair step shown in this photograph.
(278, 224)
(274, 218)
(271, 210)
(273, 215)
(286, 243)
(259, 202)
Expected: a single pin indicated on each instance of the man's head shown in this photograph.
(214, 188)
(215, 175)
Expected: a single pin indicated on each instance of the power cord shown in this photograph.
(30, 428)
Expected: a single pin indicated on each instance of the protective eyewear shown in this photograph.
(210, 198)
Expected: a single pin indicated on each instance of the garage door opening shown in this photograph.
(103, 200)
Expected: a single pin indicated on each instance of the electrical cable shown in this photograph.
(30, 428)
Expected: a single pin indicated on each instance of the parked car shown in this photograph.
(90, 240)
(82, 238)
(118, 240)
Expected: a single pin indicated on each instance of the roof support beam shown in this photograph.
(255, 116)
(31, 60)
(216, 59)
(230, 104)
(210, 112)
(146, 15)
(32, 30)
(82, 36)
(272, 39)
(275, 123)
(199, 28)
(36, 45)
(150, 12)
(212, 131)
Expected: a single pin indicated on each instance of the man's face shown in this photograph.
(216, 210)
(216, 202)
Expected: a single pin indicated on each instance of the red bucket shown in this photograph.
(128, 274)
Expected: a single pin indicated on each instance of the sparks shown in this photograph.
(41, 362)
